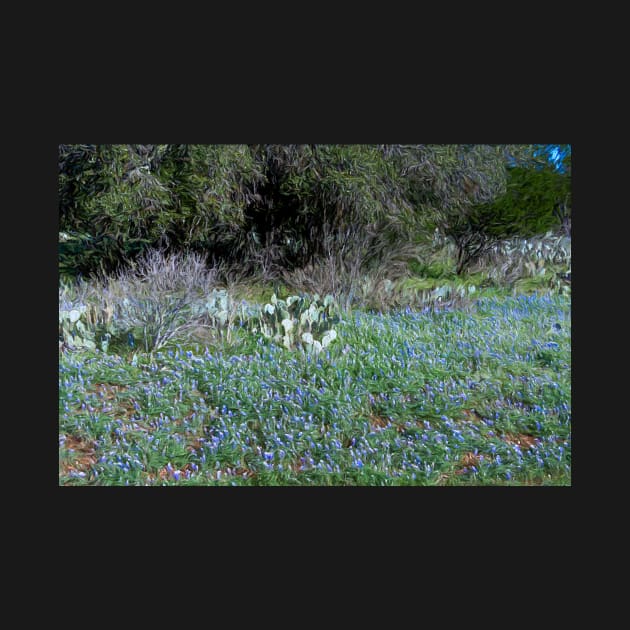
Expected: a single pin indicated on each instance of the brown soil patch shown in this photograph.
(470, 459)
(108, 390)
(240, 471)
(165, 474)
(524, 440)
(467, 460)
(123, 406)
(195, 445)
(378, 422)
(78, 444)
(81, 454)
(470, 415)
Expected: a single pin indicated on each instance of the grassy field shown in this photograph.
(476, 395)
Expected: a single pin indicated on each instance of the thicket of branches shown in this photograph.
(274, 209)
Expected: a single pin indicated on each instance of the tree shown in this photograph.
(313, 193)
(279, 206)
(477, 195)
(117, 200)
(536, 200)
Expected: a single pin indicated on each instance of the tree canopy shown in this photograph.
(232, 202)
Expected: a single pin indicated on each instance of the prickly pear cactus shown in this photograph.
(74, 334)
(299, 321)
(218, 307)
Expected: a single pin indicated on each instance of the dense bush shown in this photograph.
(273, 208)
(116, 201)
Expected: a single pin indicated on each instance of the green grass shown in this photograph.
(480, 396)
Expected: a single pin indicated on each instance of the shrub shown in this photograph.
(354, 265)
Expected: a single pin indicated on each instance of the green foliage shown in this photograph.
(85, 254)
(261, 205)
(316, 197)
(529, 206)
(535, 202)
(277, 208)
(433, 270)
(444, 176)
(212, 186)
(117, 200)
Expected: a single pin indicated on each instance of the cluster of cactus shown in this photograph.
(299, 320)
(74, 333)
(218, 307)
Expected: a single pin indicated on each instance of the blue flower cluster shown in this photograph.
(407, 398)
